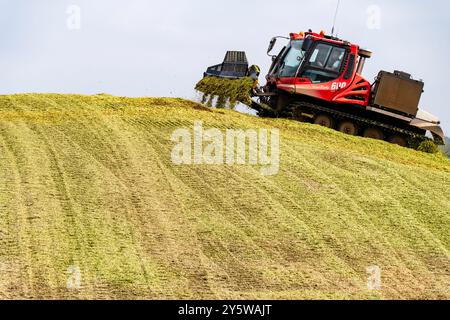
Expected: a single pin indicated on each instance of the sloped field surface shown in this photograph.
(91, 206)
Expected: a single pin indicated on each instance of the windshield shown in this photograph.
(292, 60)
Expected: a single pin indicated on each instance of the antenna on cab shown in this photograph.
(335, 17)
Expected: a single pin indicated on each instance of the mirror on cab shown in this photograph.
(271, 45)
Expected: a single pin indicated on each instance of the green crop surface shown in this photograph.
(87, 183)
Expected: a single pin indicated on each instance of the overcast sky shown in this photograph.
(161, 48)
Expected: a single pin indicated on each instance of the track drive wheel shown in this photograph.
(374, 133)
(398, 140)
(324, 120)
(298, 116)
(348, 127)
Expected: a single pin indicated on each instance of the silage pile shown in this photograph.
(228, 92)
(93, 207)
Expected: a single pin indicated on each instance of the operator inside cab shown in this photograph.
(334, 61)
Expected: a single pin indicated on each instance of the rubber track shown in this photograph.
(343, 115)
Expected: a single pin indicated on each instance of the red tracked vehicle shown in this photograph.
(317, 78)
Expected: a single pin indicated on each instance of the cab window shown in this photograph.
(320, 55)
(292, 60)
(325, 63)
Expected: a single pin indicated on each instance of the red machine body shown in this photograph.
(349, 88)
(317, 78)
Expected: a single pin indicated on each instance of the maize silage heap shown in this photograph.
(228, 91)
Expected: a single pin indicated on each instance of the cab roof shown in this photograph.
(331, 39)
(318, 36)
